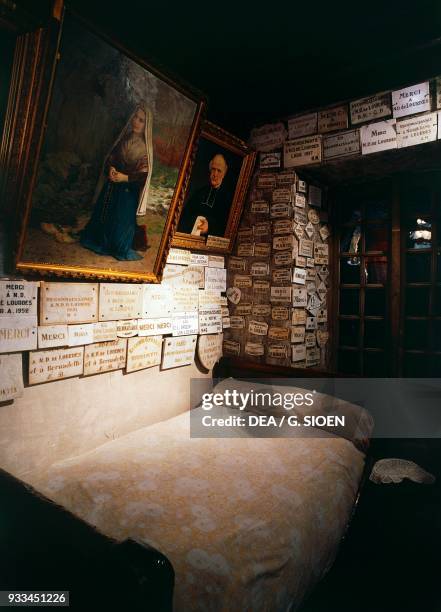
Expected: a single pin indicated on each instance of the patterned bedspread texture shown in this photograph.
(249, 524)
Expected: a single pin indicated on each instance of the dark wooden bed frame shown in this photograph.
(45, 547)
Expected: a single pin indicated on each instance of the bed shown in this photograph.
(248, 523)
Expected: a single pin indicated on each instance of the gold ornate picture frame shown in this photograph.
(98, 150)
(219, 181)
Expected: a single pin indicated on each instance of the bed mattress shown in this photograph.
(249, 524)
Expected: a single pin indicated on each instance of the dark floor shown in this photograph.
(390, 560)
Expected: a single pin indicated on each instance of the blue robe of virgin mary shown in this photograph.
(111, 228)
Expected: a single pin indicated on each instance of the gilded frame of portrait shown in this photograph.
(77, 165)
(215, 142)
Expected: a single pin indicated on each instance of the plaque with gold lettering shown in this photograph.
(179, 256)
(417, 130)
(185, 298)
(105, 331)
(105, 356)
(68, 303)
(302, 151)
(191, 274)
(144, 352)
(127, 328)
(80, 334)
(120, 301)
(55, 364)
(209, 299)
(50, 336)
(246, 249)
(154, 327)
(178, 352)
(156, 301)
(333, 119)
(371, 108)
(260, 207)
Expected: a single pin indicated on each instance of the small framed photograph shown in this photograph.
(218, 185)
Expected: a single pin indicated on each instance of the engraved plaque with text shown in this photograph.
(68, 303)
(155, 327)
(411, 100)
(302, 151)
(18, 297)
(417, 130)
(18, 333)
(178, 352)
(105, 356)
(143, 353)
(11, 378)
(371, 108)
(80, 334)
(333, 119)
(55, 364)
(50, 336)
(120, 301)
(209, 349)
(156, 301)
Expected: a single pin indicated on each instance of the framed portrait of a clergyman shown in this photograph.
(218, 185)
(108, 140)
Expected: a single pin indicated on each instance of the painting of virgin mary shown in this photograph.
(112, 163)
(122, 191)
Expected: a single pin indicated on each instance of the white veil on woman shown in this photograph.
(143, 197)
(148, 137)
